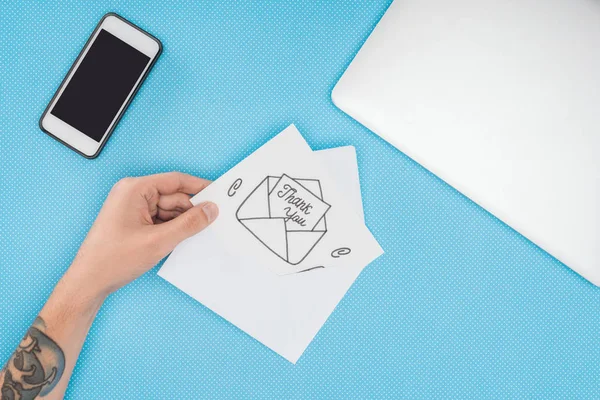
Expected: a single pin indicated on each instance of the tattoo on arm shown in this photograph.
(35, 367)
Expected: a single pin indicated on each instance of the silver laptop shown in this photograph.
(500, 99)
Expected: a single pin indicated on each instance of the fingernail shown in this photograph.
(211, 211)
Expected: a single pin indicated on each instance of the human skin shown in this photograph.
(141, 221)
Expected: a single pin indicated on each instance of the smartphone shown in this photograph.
(100, 85)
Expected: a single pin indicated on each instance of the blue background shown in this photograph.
(459, 306)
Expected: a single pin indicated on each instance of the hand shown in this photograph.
(141, 221)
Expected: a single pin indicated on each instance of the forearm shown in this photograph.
(44, 360)
(141, 221)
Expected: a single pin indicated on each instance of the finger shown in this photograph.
(167, 215)
(176, 201)
(187, 224)
(173, 182)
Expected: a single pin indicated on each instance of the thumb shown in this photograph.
(189, 223)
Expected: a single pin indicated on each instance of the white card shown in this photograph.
(253, 223)
(284, 312)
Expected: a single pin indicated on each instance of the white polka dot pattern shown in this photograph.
(460, 306)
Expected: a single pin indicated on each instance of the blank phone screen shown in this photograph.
(100, 86)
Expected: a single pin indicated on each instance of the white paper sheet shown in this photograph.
(227, 269)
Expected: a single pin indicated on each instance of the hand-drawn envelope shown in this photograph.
(290, 245)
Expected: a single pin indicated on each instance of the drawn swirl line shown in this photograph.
(234, 187)
(342, 251)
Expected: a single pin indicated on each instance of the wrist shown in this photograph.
(89, 275)
(76, 293)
